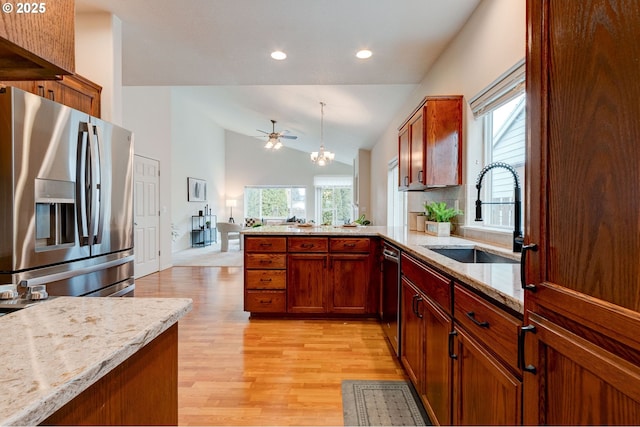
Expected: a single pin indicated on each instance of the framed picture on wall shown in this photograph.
(196, 190)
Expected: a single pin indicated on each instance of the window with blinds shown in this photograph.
(502, 108)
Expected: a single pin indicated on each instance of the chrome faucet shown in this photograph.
(517, 232)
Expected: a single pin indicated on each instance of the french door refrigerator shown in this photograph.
(66, 199)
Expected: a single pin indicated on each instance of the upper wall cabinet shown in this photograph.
(37, 40)
(73, 91)
(430, 145)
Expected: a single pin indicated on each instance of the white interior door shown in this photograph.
(146, 196)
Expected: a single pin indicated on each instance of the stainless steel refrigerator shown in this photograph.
(66, 199)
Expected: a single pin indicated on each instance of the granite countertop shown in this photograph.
(60, 347)
(500, 282)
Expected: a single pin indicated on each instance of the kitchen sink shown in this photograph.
(473, 255)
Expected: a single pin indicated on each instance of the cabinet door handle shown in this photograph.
(41, 90)
(452, 334)
(523, 331)
(471, 315)
(413, 304)
(52, 95)
(420, 316)
(420, 177)
(406, 181)
(523, 262)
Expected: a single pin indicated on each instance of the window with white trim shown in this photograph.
(275, 202)
(502, 108)
(334, 199)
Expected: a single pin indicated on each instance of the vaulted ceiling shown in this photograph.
(218, 52)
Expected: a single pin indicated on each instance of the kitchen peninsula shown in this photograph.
(497, 281)
(458, 322)
(75, 360)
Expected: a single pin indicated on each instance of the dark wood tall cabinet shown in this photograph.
(582, 352)
(430, 144)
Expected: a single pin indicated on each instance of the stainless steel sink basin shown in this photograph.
(473, 255)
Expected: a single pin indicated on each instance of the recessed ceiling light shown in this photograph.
(364, 54)
(279, 55)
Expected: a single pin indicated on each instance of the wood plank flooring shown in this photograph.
(239, 371)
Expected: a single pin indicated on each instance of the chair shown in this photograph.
(228, 231)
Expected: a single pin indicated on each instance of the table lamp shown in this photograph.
(231, 203)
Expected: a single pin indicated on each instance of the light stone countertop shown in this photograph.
(500, 282)
(56, 349)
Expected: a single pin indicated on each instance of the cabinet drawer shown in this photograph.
(433, 284)
(349, 245)
(265, 301)
(495, 328)
(265, 261)
(266, 279)
(265, 244)
(308, 244)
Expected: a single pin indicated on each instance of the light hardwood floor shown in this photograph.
(239, 371)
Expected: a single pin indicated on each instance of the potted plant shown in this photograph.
(439, 218)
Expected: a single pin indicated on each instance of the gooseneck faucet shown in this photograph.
(517, 232)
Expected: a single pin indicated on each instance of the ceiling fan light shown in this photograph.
(314, 156)
(277, 146)
(268, 145)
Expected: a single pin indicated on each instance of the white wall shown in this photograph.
(492, 40)
(197, 151)
(248, 163)
(147, 113)
(99, 58)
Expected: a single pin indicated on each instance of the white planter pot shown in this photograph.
(439, 229)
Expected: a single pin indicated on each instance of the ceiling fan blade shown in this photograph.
(263, 131)
(288, 136)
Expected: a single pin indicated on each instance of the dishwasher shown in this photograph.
(390, 307)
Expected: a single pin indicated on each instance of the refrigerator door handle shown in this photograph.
(82, 185)
(96, 211)
(43, 280)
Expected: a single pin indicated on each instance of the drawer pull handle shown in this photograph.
(308, 245)
(265, 301)
(265, 245)
(266, 280)
(349, 245)
(265, 261)
(471, 315)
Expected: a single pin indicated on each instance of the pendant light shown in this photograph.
(322, 157)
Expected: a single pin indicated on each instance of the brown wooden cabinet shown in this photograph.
(484, 391)
(425, 328)
(265, 274)
(73, 91)
(404, 157)
(486, 371)
(330, 275)
(430, 144)
(582, 354)
(316, 275)
(37, 43)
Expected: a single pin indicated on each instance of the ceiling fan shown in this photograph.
(274, 137)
